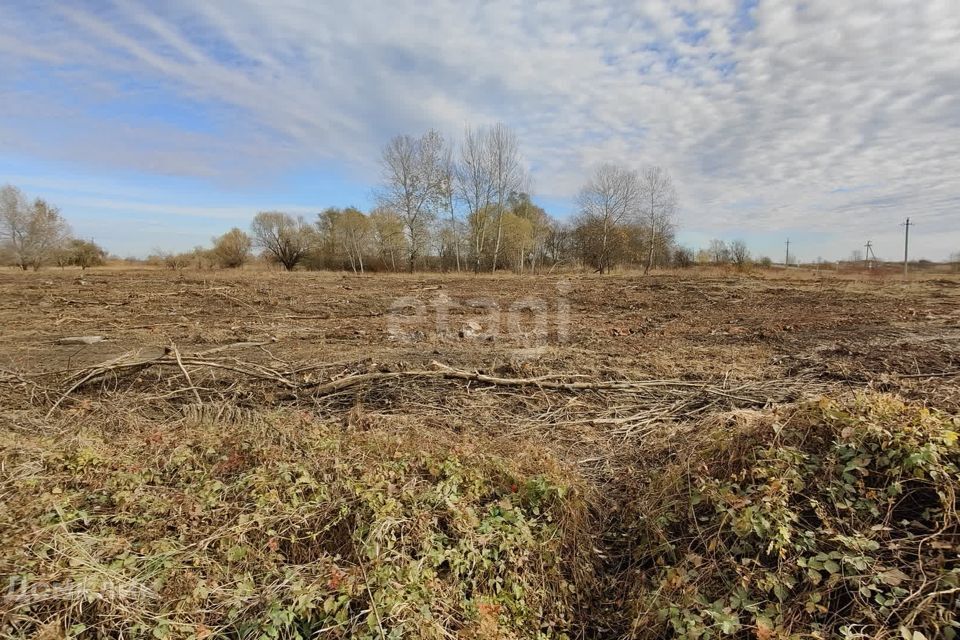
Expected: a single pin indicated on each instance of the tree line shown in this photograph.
(34, 234)
(461, 205)
(467, 207)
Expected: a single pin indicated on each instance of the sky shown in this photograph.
(161, 124)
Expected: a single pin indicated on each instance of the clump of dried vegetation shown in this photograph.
(280, 526)
(831, 519)
(822, 519)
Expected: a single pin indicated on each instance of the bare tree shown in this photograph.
(285, 239)
(718, 251)
(607, 202)
(508, 175)
(682, 257)
(740, 254)
(388, 235)
(474, 180)
(349, 230)
(558, 243)
(32, 234)
(659, 204)
(232, 249)
(447, 193)
(412, 185)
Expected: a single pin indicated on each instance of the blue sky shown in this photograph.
(161, 124)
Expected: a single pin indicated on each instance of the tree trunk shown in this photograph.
(456, 235)
(496, 246)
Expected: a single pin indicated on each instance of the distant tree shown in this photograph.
(558, 244)
(765, 262)
(346, 234)
(740, 254)
(682, 257)
(509, 176)
(31, 234)
(84, 254)
(535, 231)
(412, 185)
(356, 234)
(475, 189)
(388, 236)
(659, 205)
(232, 249)
(719, 253)
(517, 241)
(284, 238)
(447, 192)
(170, 260)
(607, 203)
(202, 258)
(489, 172)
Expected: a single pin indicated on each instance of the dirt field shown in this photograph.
(773, 339)
(723, 329)
(592, 371)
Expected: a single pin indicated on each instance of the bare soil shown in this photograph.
(778, 338)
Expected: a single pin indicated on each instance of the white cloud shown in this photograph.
(825, 115)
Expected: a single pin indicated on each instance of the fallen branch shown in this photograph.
(942, 374)
(444, 372)
(750, 395)
(186, 374)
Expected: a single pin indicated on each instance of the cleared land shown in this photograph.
(290, 454)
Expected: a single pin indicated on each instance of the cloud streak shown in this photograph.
(820, 115)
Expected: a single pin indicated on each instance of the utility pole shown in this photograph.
(869, 256)
(786, 261)
(906, 245)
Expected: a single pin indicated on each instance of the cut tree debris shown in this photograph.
(81, 340)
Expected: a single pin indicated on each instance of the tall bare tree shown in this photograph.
(32, 233)
(351, 231)
(285, 238)
(475, 188)
(447, 192)
(608, 202)
(412, 185)
(508, 175)
(659, 205)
